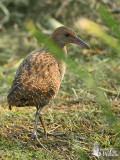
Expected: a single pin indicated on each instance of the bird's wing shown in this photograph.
(37, 78)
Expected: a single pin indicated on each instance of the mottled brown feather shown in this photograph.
(37, 80)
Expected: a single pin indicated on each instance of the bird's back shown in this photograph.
(37, 80)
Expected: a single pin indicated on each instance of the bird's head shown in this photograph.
(64, 35)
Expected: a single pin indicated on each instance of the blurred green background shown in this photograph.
(89, 97)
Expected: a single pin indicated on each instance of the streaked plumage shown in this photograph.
(38, 78)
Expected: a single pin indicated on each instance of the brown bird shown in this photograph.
(38, 77)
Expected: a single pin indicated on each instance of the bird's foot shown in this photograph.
(48, 133)
(34, 136)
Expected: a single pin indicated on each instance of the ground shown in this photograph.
(76, 109)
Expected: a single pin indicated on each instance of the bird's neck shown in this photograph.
(60, 44)
(65, 50)
(61, 63)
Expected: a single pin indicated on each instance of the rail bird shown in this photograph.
(39, 76)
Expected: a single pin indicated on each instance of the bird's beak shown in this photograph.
(78, 41)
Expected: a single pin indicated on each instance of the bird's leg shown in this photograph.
(43, 125)
(34, 134)
(45, 130)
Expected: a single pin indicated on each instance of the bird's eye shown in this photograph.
(66, 34)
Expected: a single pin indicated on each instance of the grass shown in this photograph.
(81, 122)
(75, 110)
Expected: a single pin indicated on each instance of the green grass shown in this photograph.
(75, 109)
(84, 124)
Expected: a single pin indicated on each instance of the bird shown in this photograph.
(38, 78)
